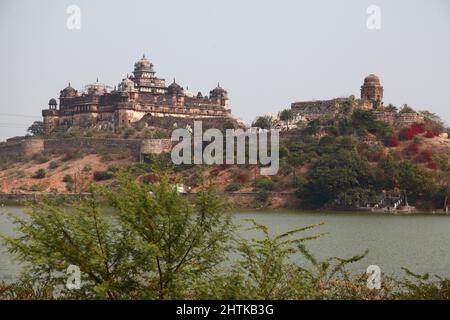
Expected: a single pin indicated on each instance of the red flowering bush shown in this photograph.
(412, 131)
(393, 141)
(426, 155)
(414, 148)
(432, 165)
(242, 177)
(432, 133)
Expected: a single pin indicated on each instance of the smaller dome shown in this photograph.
(372, 79)
(218, 92)
(96, 88)
(199, 95)
(68, 92)
(126, 85)
(175, 88)
(52, 102)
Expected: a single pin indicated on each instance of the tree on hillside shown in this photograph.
(390, 108)
(365, 121)
(36, 129)
(346, 106)
(407, 109)
(433, 123)
(415, 180)
(342, 178)
(286, 115)
(264, 122)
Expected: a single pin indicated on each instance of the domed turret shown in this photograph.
(175, 89)
(127, 85)
(372, 79)
(219, 95)
(143, 64)
(68, 92)
(52, 104)
(96, 88)
(372, 90)
(218, 92)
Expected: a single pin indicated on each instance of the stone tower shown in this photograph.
(372, 90)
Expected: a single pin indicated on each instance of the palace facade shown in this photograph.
(139, 95)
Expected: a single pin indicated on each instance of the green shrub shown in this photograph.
(262, 196)
(72, 155)
(41, 158)
(68, 179)
(233, 186)
(154, 134)
(263, 184)
(69, 187)
(105, 156)
(128, 133)
(37, 188)
(53, 165)
(39, 174)
(103, 175)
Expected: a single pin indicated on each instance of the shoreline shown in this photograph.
(250, 203)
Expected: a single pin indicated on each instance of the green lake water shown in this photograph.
(418, 242)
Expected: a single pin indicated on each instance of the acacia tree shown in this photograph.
(155, 245)
(189, 238)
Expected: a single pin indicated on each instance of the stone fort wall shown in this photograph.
(316, 109)
(21, 148)
(399, 119)
(181, 122)
(26, 148)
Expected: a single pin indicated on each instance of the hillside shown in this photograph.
(345, 162)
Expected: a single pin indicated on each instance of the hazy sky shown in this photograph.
(267, 54)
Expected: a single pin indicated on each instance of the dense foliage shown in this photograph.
(354, 160)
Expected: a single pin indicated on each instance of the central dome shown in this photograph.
(143, 64)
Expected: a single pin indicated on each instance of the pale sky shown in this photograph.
(267, 54)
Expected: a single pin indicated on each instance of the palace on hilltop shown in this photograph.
(138, 96)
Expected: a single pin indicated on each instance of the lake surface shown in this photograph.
(420, 242)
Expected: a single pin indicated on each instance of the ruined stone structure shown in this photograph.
(399, 119)
(371, 99)
(315, 109)
(138, 95)
(372, 90)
